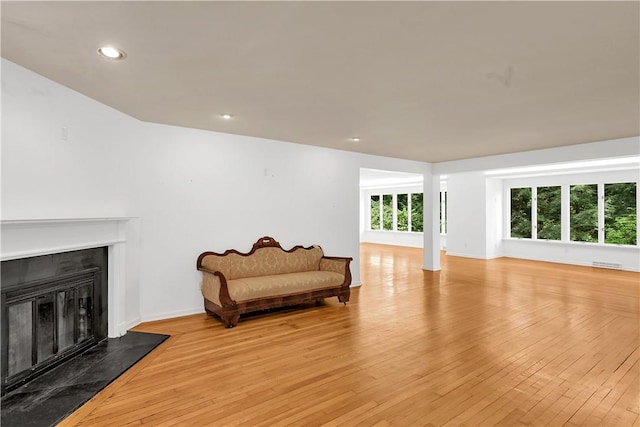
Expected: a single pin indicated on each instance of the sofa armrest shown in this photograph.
(214, 287)
(338, 265)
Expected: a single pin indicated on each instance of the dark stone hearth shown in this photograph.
(54, 395)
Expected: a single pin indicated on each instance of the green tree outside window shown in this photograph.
(387, 212)
(620, 213)
(417, 209)
(583, 213)
(549, 212)
(402, 210)
(375, 212)
(521, 213)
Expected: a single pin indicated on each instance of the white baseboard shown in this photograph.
(463, 255)
(134, 322)
(171, 315)
(121, 329)
(125, 326)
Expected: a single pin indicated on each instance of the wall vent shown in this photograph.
(602, 264)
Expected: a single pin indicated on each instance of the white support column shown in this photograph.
(431, 200)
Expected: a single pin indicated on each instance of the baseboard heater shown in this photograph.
(602, 264)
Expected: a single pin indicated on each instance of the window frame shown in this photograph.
(565, 182)
(395, 192)
(394, 205)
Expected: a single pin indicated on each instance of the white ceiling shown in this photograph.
(429, 81)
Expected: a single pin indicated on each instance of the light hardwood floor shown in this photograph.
(502, 342)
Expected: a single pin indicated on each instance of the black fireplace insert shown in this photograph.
(53, 307)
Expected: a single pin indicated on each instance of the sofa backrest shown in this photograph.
(264, 261)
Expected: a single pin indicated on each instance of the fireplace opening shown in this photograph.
(53, 307)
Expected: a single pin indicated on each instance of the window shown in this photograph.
(375, 212)
(620, 213)
(521, 213)
(396, 212)
(604, 213)
(417, 209)
(583, 213)
(549, 203)
(402, 210)
(387, 212)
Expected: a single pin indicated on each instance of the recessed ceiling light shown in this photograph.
(355, 139)
(112, 52)
(226, 116)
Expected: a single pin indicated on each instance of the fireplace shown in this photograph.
(116, 304)
(53, 307)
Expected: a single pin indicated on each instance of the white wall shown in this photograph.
(190, 190)
(467, 220)
(44, 176)
(572, 253)
(396, 238)
(210, 191)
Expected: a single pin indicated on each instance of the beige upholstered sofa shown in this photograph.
(268, 276)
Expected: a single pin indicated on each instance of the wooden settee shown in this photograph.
(234, 283)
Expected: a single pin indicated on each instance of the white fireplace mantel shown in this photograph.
(23, 238)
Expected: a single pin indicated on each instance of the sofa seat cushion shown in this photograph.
(250, 288)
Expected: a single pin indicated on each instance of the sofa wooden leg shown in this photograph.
(231, 321)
